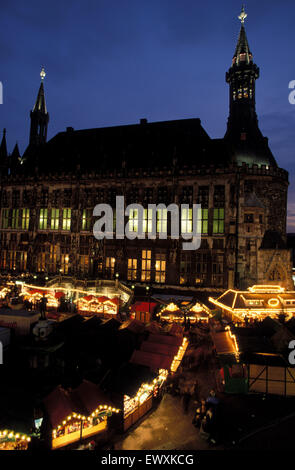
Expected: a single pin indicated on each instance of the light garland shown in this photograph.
(144, 392)
(82, 418)
(234, 339)
(6, 434)
(178, 358)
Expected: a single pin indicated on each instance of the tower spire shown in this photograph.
(241, 77)
(243, 132)
(3, 146)
(39, 116)
(3, 154)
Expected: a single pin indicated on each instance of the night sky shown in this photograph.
(114, 62)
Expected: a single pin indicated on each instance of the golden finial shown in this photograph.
(42, 73)
(243, 15)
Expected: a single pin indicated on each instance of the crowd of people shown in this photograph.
(206, 418)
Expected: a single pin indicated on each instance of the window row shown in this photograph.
(60, 219)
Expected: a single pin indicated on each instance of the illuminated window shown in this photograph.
(5, 218)
(202, 221)
(14, 218)
(147, 220)
(162, 220)
(66, 219)
(64, 261)
(110, 265)
(186, 221)
(52, 259)
(43, 219)
(132, 269)
(12, 259)
(245, 91)
(146, 261)
(54, 219)
(84, 263)
(3, 256)
(133, 220)
(160, 267)
(25, 219)
(218, 221)
(86, 219)
(41, 260)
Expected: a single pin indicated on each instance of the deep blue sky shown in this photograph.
(111, 62)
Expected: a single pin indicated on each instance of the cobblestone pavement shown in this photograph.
(166, 428)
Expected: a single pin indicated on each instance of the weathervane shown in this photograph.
(42, 73)
(243, 15)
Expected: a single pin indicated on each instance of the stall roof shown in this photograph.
(239, 299)
(165, 339)
(128, 379)
(135, 326)
(175, 329)
(159, 348)
(88, 396)
(223, 343)
(153, 327)
(154, 361)
(61, 403)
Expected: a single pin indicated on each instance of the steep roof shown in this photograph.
(242, 45)
(3, 149)
(166, 144)
(40, 104)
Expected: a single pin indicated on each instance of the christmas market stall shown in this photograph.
(13, 440)
(254, 360)
(93, 305)
(133, 387)
(183, 312)
(256, 303)
(74, 415)
(33, 296)
(161, 351)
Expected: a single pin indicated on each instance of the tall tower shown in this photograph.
(243, 133)
(242, 122)
(39, 116)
